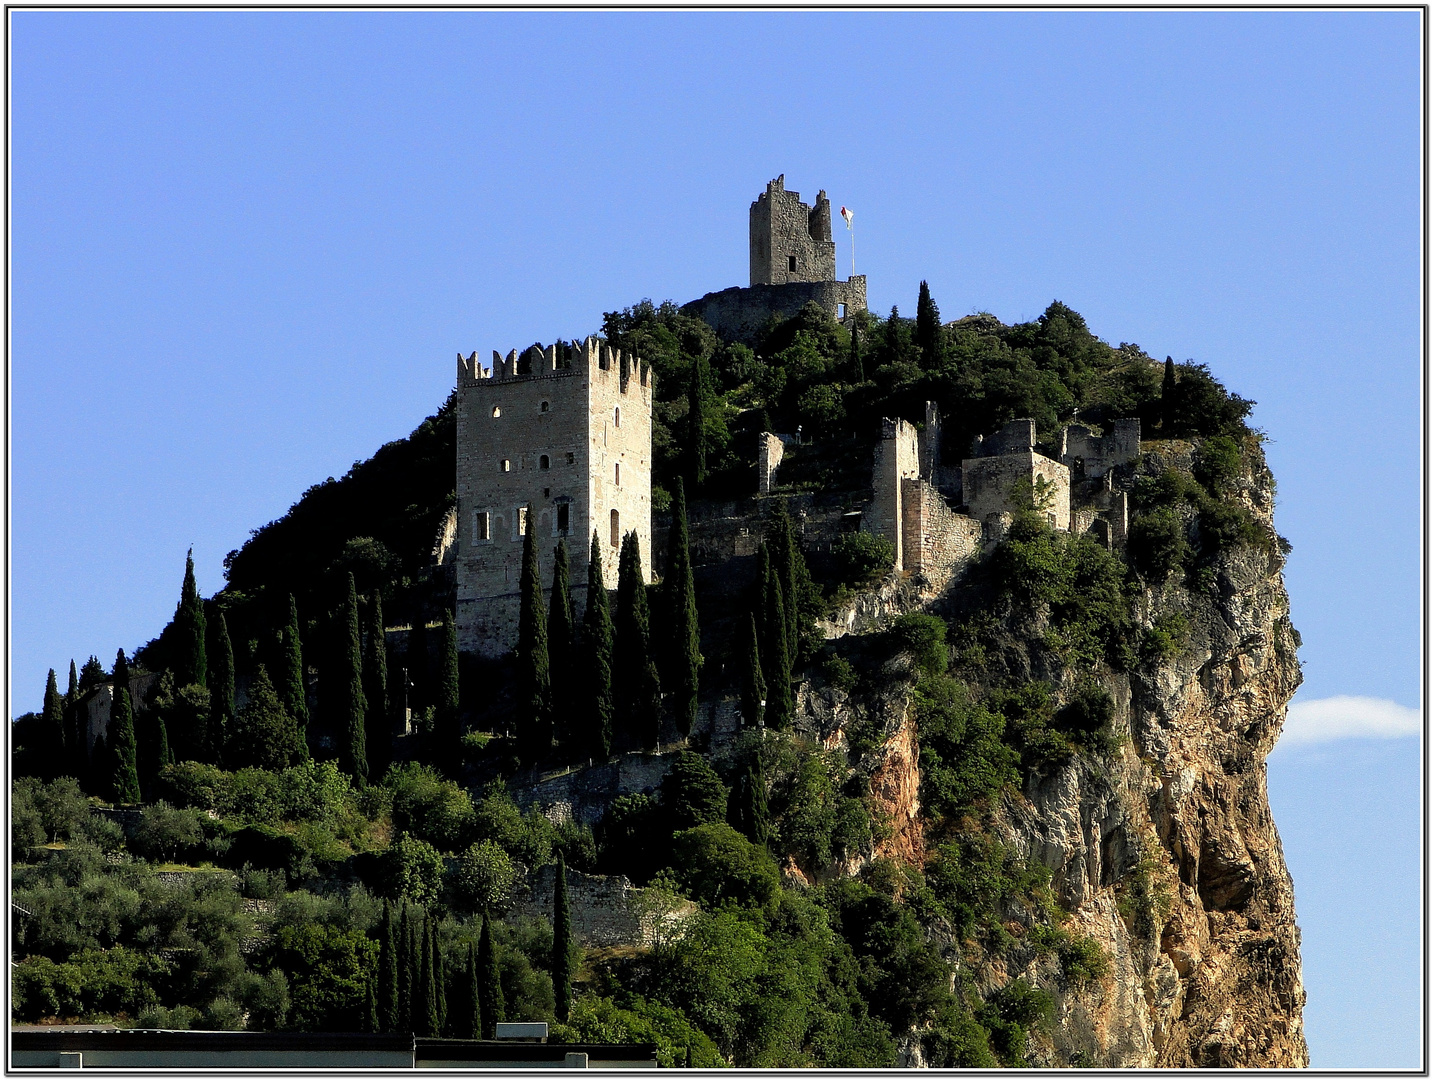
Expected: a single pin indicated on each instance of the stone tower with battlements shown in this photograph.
(558, 440)
(790, 241)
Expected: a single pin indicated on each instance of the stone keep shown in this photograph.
(559, 443)
(790, 241)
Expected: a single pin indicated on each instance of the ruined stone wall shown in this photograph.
(790, 241)
(769, 452)
(605, 911)
(936, 540)
(545, 445)
(738, 314)
(584, 794)
(1088, 456)
(100, 702)
(991, 484)
(897, 458)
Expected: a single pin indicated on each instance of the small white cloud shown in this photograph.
(1343, 717)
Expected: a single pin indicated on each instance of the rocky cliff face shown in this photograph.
(1164, 852)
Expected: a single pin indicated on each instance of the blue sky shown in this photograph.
(246, 248)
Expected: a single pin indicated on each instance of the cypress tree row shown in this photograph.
(292, 687)
(221, 687)
(696, 423)
(534, 680)
(190, 665)
(927, 327)
(473, 1016)
(447, 720)
(370, 1009)
(684, 645)
(387, 973)
(561, 944)
(561, 649)
(775, 652)
(489, 983)
(378, 736)
(753, 684)
(52, 718)
(123, 751)
(351, 708)
(638, 687)
(599, 705)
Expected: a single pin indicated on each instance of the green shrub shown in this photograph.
(429, 807)
(839, 672)
(1164, 639)
(679, 1044)
(923, 636)
(963, 758)
(485, 876)
(861, 558)
(1083, 960)
(691, 793)
(163, 833)
(716, 864)
(1157, 544)
(1217, 464)
(412, 870)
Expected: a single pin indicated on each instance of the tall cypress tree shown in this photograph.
(405, 970)
(598, 703)
(432, 1022)
(473, 1016)
(370, 1008)
(76, 752)
(927, 327)
(561, 650)
(378, 738)
(775, 652)
(221, 687)
(684, 644)
(387, 973)
(753, 814)
(857, 365)
(1166, 398)
(440, 978)
(785, 555)
(561, 943)
(534, 677)
(638, 687)
(753, 683)
(123, 750)
(696, 423)
(351, 708)
(190, 663)
(448, 723)
(292, 686)
(489, 982)
(52, 720)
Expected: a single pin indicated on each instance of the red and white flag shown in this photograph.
(849, 215)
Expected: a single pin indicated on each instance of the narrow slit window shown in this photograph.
(616, 529)
(617, 475)
(506, 465)
(544, 462)
(791, 263)
(522, 521)
(617, 416)
(840, 311)
(571, 458)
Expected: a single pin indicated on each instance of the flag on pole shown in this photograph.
(849, 216)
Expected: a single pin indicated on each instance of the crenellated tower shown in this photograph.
(556, 439)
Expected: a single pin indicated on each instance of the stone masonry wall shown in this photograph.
(991, 482)
(605, 911)
(897, 458)
(738, 314)
(768, 459)
(937, 541)
(1089, 456)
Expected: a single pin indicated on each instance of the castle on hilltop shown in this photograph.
(557, 440)
(792, 264)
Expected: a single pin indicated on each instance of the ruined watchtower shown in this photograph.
(790, 241)
(792, 264)
(558, 439)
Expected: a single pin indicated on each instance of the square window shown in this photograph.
(571, 458)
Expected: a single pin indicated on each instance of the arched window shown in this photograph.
(617, 416)
(616, 529)
(496, 411)
(506, 465)
(544, 462)
(544, 406)
(618, 476)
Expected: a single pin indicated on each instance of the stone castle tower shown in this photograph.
(790, 241)
(558, 440)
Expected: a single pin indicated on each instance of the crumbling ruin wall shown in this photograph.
(606, 910)
(937, 541)
(897, 458)
(995, 485)
(1088, 456)
(770, 450)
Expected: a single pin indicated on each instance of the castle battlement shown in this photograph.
(553, 362)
